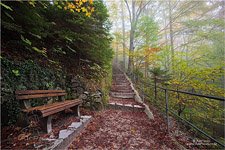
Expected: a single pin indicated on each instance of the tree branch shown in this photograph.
(128, 10)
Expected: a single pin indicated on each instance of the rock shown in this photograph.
(148, 112)
(86, 117)
(52, 136)
(75, 125)
(64, 134)
(138, 106)
(128, 105)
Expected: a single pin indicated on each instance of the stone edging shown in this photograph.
(67, 136)
(138, 99)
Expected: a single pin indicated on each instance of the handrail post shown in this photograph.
(143, 93)
(167, 109)
(155, 89)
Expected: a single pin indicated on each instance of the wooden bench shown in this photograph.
(45, 112)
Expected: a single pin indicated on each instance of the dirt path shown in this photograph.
(123, 129)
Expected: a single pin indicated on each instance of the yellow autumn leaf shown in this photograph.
(88, 14)
(78, 10)
(84, 9)
(91, 1)
(92, 9)
(71, 6)
(80, 3)
(72, 10)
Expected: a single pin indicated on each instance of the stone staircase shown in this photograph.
(121, 87)
(122, 94)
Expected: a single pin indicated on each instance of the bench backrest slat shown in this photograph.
(29, 94)
(22, 92)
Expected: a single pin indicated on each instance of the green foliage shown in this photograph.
(209, 31)
(159, 75)
(106, 86)
(194, 75)
(147, 30)
(24, 76)
(5, 6)
(43, 44)
(198, 67)
(47, 34)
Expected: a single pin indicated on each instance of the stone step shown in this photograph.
(126, 106)
(120, 81)
(121, 84)
(120, 78)
(118, 99)
(122, 95)
(118, 75)
(122, 90)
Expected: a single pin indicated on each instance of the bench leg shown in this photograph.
(76, 110)
(46, 124)
(23, 120)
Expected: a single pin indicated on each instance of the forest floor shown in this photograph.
(16, 137)
(110, 128)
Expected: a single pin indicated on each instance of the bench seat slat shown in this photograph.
(42, 107)
(56, 110)
(29, 92)
(23, 97)
(50, 109)
(71, 102)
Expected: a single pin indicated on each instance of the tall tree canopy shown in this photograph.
(57, 37)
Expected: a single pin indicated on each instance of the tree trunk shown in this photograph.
(131, 50)
(134, 16)
(166, 40)
(123, 28)
(171, 36)
(117, 48)
(155, 89)
(132, 32)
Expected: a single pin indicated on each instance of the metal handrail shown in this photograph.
(189, 93)
(199, 130)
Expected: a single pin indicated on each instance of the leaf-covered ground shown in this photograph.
(15, 137)
(123, 129)
(118, 129)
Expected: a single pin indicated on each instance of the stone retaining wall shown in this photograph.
(137, 98)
